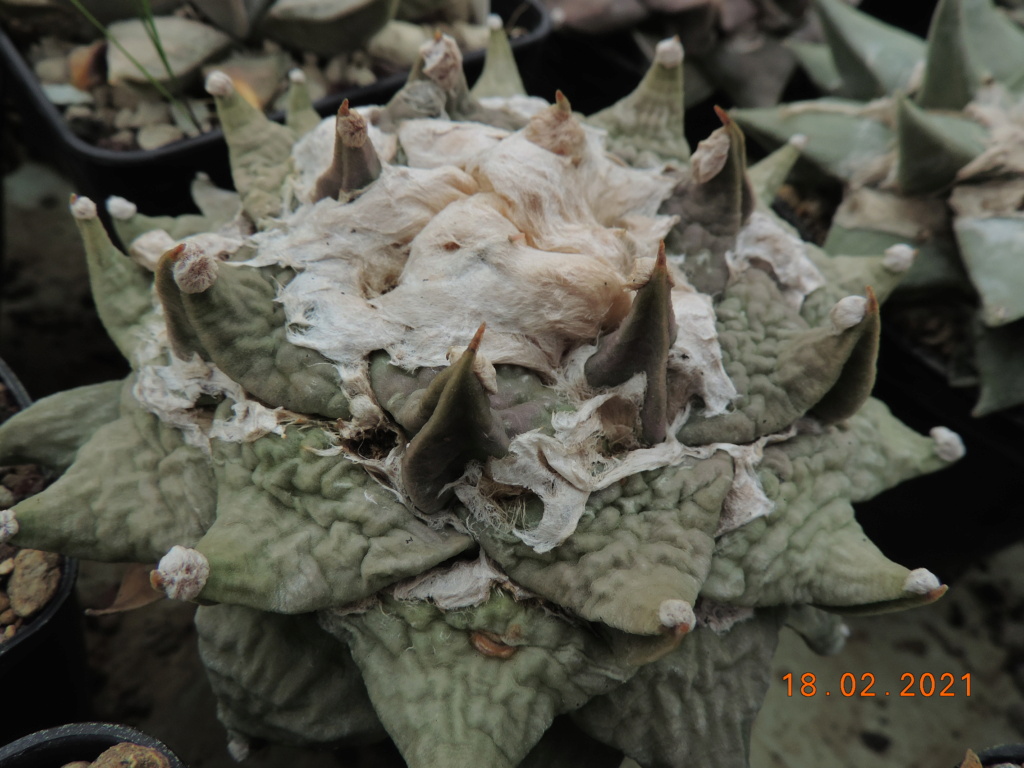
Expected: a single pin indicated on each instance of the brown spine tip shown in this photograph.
(438, 34)
(343, 110)
(872, 307)
(680, 631)
(563, 102)
(474, 345)
(174, 253)
(722, 115)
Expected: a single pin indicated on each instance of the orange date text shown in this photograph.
(848, 685)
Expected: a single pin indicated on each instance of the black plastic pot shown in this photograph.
(954, 518)
(1007, 753)
(42, 668)
(55, 747)
(158, 180)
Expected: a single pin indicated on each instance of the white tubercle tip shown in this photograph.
(181, 573)
(557, 17)
(844, 630)
(195, 271)
(798, 140)
(948, 444)
(677, 614)
(848, 312)
(494, 22)
(83, 209)
(219, 84)
(669, 53)
(921, 581)
(899, 258)
(297, 75)
(8, 525)
(120, 208)
(238, 747)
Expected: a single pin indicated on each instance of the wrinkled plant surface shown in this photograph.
(452, 422)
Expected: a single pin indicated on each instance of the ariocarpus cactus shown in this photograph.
(929, 140)
(453, 423)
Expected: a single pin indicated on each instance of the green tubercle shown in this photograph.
(646, 127)
(461, 428)
(641, 345)
(873, 58)
(234, 319)
(120, 288)
(259, 150)
(300, 115)
(500, 76)
(932, 147)
(355, 164)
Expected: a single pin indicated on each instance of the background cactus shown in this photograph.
(926, 138)
(735, 47)
(448, 437)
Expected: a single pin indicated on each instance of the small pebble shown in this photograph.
(149, 113)
(64, 95)
(34, 581)
(122, 140)
(123, 118)
(53, 70)
(5, 602)
(8, 617)
(124, 96)
(154, 136)
(8, 632)
(127, 755)
(7, 566)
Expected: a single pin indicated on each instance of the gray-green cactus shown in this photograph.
(926, 137)
(449, 444)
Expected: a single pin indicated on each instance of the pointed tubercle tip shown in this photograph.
(238, 747)
(296, 75)
(8, 525)
(219, 84)
(562, 102)
(899, 258)
(343, 110)
(494, 22)
(847, 313)
(661, 261)
(872, 305)
(722, 115)
(949, 446)
(921, 581)
(799, 140)
(121, 209)
(669, 53)
(194, 270)
(82, 208)
(677, 616)
(438, 34)
(181, 574)
(474, 345)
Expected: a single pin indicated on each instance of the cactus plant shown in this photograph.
(926, 138)
(447, 437)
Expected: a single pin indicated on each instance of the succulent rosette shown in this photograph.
(927, 137)
(453, 422)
